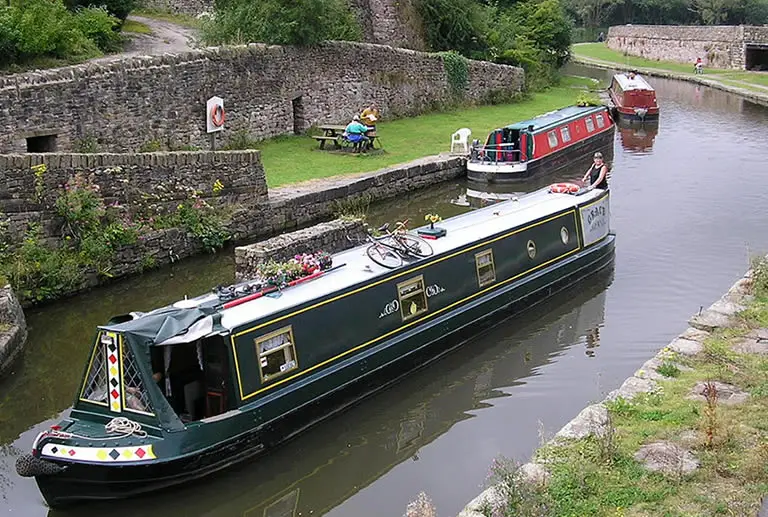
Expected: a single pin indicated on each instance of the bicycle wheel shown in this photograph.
(412, 245)
(384, 256)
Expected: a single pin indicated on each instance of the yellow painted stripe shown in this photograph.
(402, 327)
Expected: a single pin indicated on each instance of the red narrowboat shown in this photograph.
(546, 143)
(633, 98)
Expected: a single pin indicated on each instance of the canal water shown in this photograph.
(688, 210)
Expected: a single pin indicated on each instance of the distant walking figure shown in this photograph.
(601, 37)
(698, 68)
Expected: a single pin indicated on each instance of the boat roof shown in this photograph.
(636, 83)
(557, 117)
(191, 319)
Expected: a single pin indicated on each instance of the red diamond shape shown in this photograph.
(71, 452)
(140, 452)
(112, 359)
(115, 394)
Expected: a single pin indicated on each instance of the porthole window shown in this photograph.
(564, 236)
(413, 298)
(277, 354)
(486, 269)
(552, 139)
(531, 249)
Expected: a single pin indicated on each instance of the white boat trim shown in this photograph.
(497, 167)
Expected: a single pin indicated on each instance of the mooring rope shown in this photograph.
(125, 427)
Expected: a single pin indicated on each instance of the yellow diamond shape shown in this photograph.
(127, 453)
(63, 451)
(113, 371)
(101, 454)
(115, 406)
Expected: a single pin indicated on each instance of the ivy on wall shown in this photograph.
(457, 72)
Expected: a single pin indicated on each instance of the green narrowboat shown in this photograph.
(185, 390)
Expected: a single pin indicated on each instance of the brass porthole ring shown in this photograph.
(564, 236)
(531, 249)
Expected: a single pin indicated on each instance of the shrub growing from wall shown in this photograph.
(281, 22)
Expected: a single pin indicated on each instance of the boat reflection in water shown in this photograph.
(346, 454)
(636, 137)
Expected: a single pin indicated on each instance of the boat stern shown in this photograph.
(495, 172)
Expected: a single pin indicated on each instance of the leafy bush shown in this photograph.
(457, 72)
(281, 22)
(117, 8)
(100, 27)
(453, 25)
(46, 28)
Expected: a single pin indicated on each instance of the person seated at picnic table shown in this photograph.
(355, 131)
(370, 115)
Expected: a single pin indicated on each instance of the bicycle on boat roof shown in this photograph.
(390, 249)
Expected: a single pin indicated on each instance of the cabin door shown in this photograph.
(216, 371)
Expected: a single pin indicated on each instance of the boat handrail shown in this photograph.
(495, 153)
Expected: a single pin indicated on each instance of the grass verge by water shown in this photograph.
(601, 52)
(290, 159)
(599, 476)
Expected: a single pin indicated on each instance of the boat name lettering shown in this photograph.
(390, 308)
(596, 212)
(434, 290)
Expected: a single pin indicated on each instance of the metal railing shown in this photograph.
(496, 153)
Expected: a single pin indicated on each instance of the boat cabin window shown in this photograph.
(277, 354)
(135, 397)
(486, 270)
(590, 124)
(95, 385)
(552, 139)
(600, 120)
(413, 298)
(565, 133)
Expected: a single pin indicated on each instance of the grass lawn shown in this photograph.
(179, 19)
(290, 159)
(731, 77)
(136, 27)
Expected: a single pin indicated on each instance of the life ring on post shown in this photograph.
(218, 115)
(564, 188)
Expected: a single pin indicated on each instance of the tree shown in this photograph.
(593, 13)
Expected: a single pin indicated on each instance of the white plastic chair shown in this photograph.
(461, 138)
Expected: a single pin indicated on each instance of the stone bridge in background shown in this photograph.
(721, 46)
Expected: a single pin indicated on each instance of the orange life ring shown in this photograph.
(217, 115)
(564, 188)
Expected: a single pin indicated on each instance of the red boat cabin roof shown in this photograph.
(635, 83)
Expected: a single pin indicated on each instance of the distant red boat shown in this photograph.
(633, 98)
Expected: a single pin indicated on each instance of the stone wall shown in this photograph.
(267, 91)
(188, 7)
(13, 327)
(132, 180)
(718, 46)
(330, 237)
(390, 22)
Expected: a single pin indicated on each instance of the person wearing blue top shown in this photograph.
(355, 132)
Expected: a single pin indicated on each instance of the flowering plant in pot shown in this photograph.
(432, 231)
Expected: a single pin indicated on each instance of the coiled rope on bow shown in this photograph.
(125, 427)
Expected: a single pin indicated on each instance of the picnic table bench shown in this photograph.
(335, 134)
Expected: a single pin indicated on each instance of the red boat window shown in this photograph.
(565, 132)
(552, 139)
(600, 120)
(590, 124)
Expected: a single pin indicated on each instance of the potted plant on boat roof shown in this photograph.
(432, 231)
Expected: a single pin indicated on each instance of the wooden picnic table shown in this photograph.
(335, 133)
